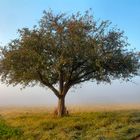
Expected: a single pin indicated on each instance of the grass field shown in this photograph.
(97, 123)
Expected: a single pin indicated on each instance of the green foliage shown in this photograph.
(7, 132)
(116, 125)
(67, 50)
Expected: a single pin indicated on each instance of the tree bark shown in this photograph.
(61, 110)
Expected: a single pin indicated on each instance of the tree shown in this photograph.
(63, 51)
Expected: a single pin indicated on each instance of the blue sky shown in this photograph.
(125, 14)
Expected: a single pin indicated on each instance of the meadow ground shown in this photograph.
(98, 122)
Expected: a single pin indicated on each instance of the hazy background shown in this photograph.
(125, 14)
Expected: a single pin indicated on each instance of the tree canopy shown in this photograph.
(63, 51)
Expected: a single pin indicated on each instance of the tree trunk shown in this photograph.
(61, 106)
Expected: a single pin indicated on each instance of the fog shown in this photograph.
(86, 93)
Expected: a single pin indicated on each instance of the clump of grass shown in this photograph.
(7, 131)
(48, 125)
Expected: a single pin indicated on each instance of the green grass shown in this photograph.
(112, 125)
(7, 132)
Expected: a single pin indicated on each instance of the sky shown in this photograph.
(125, 14)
